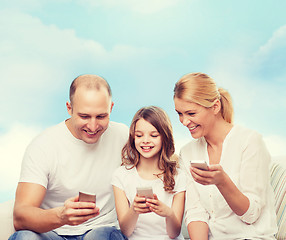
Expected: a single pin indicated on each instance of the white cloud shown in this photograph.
(276, 145)
(276, 42)
(143, 6)
(256, 80)
(37, 60)
(12, 147)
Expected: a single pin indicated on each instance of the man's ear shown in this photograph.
(112, 104)
(217, 106)
(69, 108)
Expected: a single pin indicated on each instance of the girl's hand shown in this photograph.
(139, 205)
(158, 207)
(215, 175)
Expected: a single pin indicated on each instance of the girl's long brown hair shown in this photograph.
(167, 159)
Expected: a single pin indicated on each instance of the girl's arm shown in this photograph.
(198, 230)
(173, 215)
(128, 215)
(174, 221)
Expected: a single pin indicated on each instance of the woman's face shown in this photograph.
(198, 119)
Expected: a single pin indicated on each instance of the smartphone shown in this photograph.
(200, 164)
(87, 197)
(146, 192)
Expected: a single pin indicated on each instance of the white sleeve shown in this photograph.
(181, 181)
(254, 176)
(118, 178)
(35, 166)
(194, 211)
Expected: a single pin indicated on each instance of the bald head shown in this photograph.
(89, 81)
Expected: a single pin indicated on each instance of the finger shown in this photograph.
(140, 199)
(85, 205)
(76, 220)
(86, 211)
(153, 201)
(142, 210)
(200, 179)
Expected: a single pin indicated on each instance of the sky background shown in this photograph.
(141, 48)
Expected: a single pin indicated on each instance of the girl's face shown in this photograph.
(148, 141)
(198, 119)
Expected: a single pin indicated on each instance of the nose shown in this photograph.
(185, 121)
(92, 124)
(146, 139)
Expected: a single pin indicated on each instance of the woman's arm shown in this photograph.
(236, 200)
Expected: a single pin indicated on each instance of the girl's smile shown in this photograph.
(147, 139)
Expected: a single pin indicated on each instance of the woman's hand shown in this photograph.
(215, 175)
(158, 207)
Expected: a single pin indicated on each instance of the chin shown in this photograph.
(90, 141)
(195, 136)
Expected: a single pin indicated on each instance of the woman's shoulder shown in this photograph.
(245, 134)
(194, 144)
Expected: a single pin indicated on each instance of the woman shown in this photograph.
(233, 199)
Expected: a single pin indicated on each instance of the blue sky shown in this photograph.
(142, 48)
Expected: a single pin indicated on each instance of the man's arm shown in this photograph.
(28, 214)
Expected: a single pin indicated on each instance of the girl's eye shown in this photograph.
(137, 135)
(154, 136)
(191, 114)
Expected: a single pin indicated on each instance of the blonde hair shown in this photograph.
(167, 159)
(201, 89)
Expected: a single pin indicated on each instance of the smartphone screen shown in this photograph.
(200, 164)
(146, 192)
(87, 197)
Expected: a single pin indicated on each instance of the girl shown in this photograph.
(233, 198)
(148, 160)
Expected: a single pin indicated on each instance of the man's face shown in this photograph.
(90, 112)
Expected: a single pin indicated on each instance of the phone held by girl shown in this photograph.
(149, 189)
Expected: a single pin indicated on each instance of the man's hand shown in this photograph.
(74, 212)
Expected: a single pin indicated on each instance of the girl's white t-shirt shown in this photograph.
(149, 225)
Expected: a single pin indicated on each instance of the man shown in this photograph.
(78, 154)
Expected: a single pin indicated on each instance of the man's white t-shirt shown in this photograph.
(65, 165)
(149, 225)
